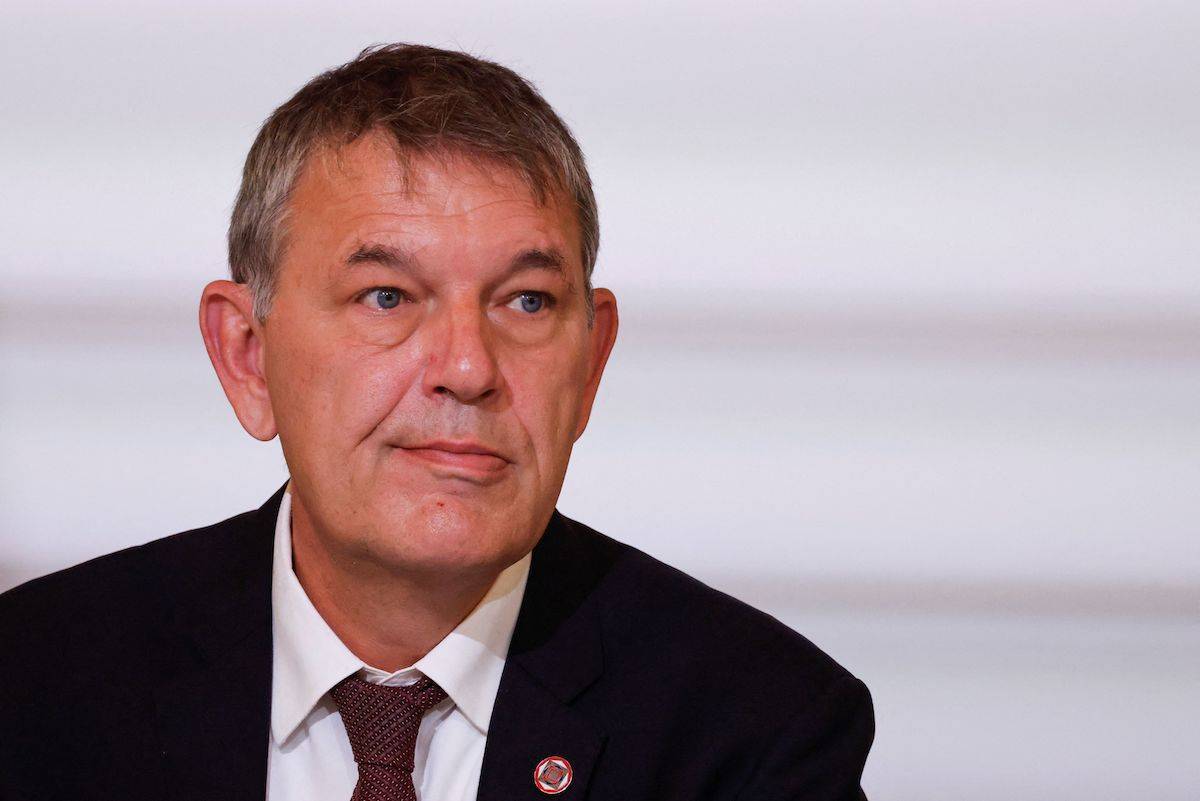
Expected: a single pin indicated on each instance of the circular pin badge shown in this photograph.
(552, 775)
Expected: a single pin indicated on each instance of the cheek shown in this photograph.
(340, 391)
(370, 386)
(546, 391)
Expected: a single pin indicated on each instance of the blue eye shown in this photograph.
(386, 297)
(533, 302)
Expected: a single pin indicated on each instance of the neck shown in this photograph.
(386, 617)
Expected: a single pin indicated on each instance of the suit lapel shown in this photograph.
(214, 726)
(214, 717)
(529, 724)
(555, 655)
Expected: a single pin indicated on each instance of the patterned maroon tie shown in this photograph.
(382, 723)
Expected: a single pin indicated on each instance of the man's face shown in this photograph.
(422, 310)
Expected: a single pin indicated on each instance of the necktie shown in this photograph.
(382, 723)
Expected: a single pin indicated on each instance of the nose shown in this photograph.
(461, 362)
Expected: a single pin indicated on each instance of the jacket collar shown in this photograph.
(555, 655)
(214, 719)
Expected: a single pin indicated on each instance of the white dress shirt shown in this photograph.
(310, 756)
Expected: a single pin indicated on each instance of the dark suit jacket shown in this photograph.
(146, 674)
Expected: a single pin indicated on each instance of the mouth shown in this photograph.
(464, 459)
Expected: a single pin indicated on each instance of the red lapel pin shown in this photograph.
(552, 775)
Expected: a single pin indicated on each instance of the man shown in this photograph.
(409, 616)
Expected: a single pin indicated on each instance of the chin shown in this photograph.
(451, 534)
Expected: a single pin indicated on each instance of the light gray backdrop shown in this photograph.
(909, 346)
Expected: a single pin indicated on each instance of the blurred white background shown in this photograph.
(909, 349)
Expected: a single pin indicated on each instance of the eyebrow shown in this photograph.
(398, 259)
(383, 255)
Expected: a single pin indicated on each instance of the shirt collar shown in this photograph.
(309, 658)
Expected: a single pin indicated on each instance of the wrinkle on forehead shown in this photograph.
(357, 193)
(336, 172)
(404, 171)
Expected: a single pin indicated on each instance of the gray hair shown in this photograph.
(430, 101)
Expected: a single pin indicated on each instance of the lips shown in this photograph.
(461, 446)
(464, 456)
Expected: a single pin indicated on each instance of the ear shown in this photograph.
(234, 339)
(601, 337)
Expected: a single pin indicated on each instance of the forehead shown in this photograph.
(366, 188)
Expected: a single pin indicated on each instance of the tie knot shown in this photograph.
(382, 722)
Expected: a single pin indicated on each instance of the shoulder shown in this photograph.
(661, 619)
(109, 610)
(123, 579)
